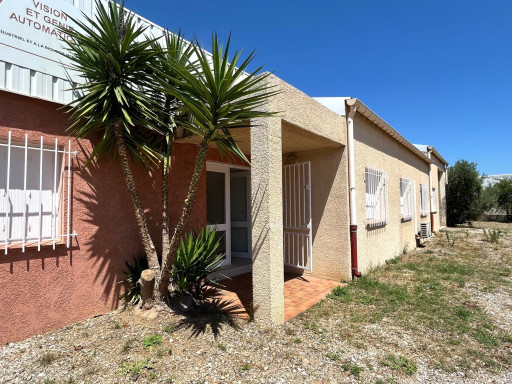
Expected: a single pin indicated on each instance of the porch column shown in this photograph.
(267, 220)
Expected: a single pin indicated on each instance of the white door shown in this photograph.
(297, 229)
(240, 213)
(217, 205)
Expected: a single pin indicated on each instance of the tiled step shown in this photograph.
(238, 266)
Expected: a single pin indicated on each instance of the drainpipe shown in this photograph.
(352, 191)
(429, 154)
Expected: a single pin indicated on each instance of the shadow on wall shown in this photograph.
(367, 133)
(35, 259)
(325, 165)
(110, 234)
(375, 231)
(256, 203)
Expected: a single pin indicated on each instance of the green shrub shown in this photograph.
(486, 338)
(333, 356)
(152, 340)
(134, 368)
(132, 293)
(400, 363)
(128, 344)
(340, 293)
(352, 368)
(198, 256)
(492, 236)
(47, 359)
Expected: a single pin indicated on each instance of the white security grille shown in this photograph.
(376, 182)
(34, 187)
(434, 209)
(407, 190)
(297, 232)
(424, 199)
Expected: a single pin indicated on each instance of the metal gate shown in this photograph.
(297, 236)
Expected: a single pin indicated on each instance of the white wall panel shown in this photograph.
(2, 75)
(30, 82)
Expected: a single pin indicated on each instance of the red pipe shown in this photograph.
(431, 222)
(353, 250)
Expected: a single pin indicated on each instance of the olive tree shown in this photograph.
(463, 193)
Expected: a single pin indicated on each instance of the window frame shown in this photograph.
(424, 200)
(376, 194)
(407, 206)
(30, 174)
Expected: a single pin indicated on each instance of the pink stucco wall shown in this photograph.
(44, 290)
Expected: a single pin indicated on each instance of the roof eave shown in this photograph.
(438, 155)
(379, 122)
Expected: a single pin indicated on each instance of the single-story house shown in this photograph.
(331, 191)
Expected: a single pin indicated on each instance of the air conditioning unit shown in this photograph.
(425, 230)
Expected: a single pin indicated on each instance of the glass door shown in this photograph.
(240, 213)
(218, 207)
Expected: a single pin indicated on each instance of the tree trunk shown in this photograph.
(165, 212)
(147, 286)
(149, 248)
(185, 215)
(166, 165)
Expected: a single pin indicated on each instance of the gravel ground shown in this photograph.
(110, 349)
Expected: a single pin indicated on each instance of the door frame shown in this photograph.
(244, 224)
(226, 227)
(225, 168)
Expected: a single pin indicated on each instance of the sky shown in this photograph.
(439, 72)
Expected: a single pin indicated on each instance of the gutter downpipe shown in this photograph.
(352, 191)
(431, 194)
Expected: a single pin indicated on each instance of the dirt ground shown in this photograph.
(438, 314)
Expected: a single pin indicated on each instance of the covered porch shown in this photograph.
(284, 217)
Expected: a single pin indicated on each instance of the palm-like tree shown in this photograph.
(219, 96)
(173, 49)
(115, 60)
(136, 91)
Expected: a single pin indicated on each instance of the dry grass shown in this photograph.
(439, 314)
(423, 304)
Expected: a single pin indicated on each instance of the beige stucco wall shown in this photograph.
(375, 148)
(267, 221)
(329, 206)
(302, 123)
(311, 117)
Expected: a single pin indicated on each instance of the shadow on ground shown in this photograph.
(213, 313)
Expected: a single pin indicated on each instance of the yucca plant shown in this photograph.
(219, 96)
(173, 49)
(115, 60)
(198, 256)
(136, 91)
(132, 293)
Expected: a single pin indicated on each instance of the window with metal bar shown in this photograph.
(406, 199)
(376, 182)
(424, 199)
(35, 182)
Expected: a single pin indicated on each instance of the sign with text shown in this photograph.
(30, 36)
